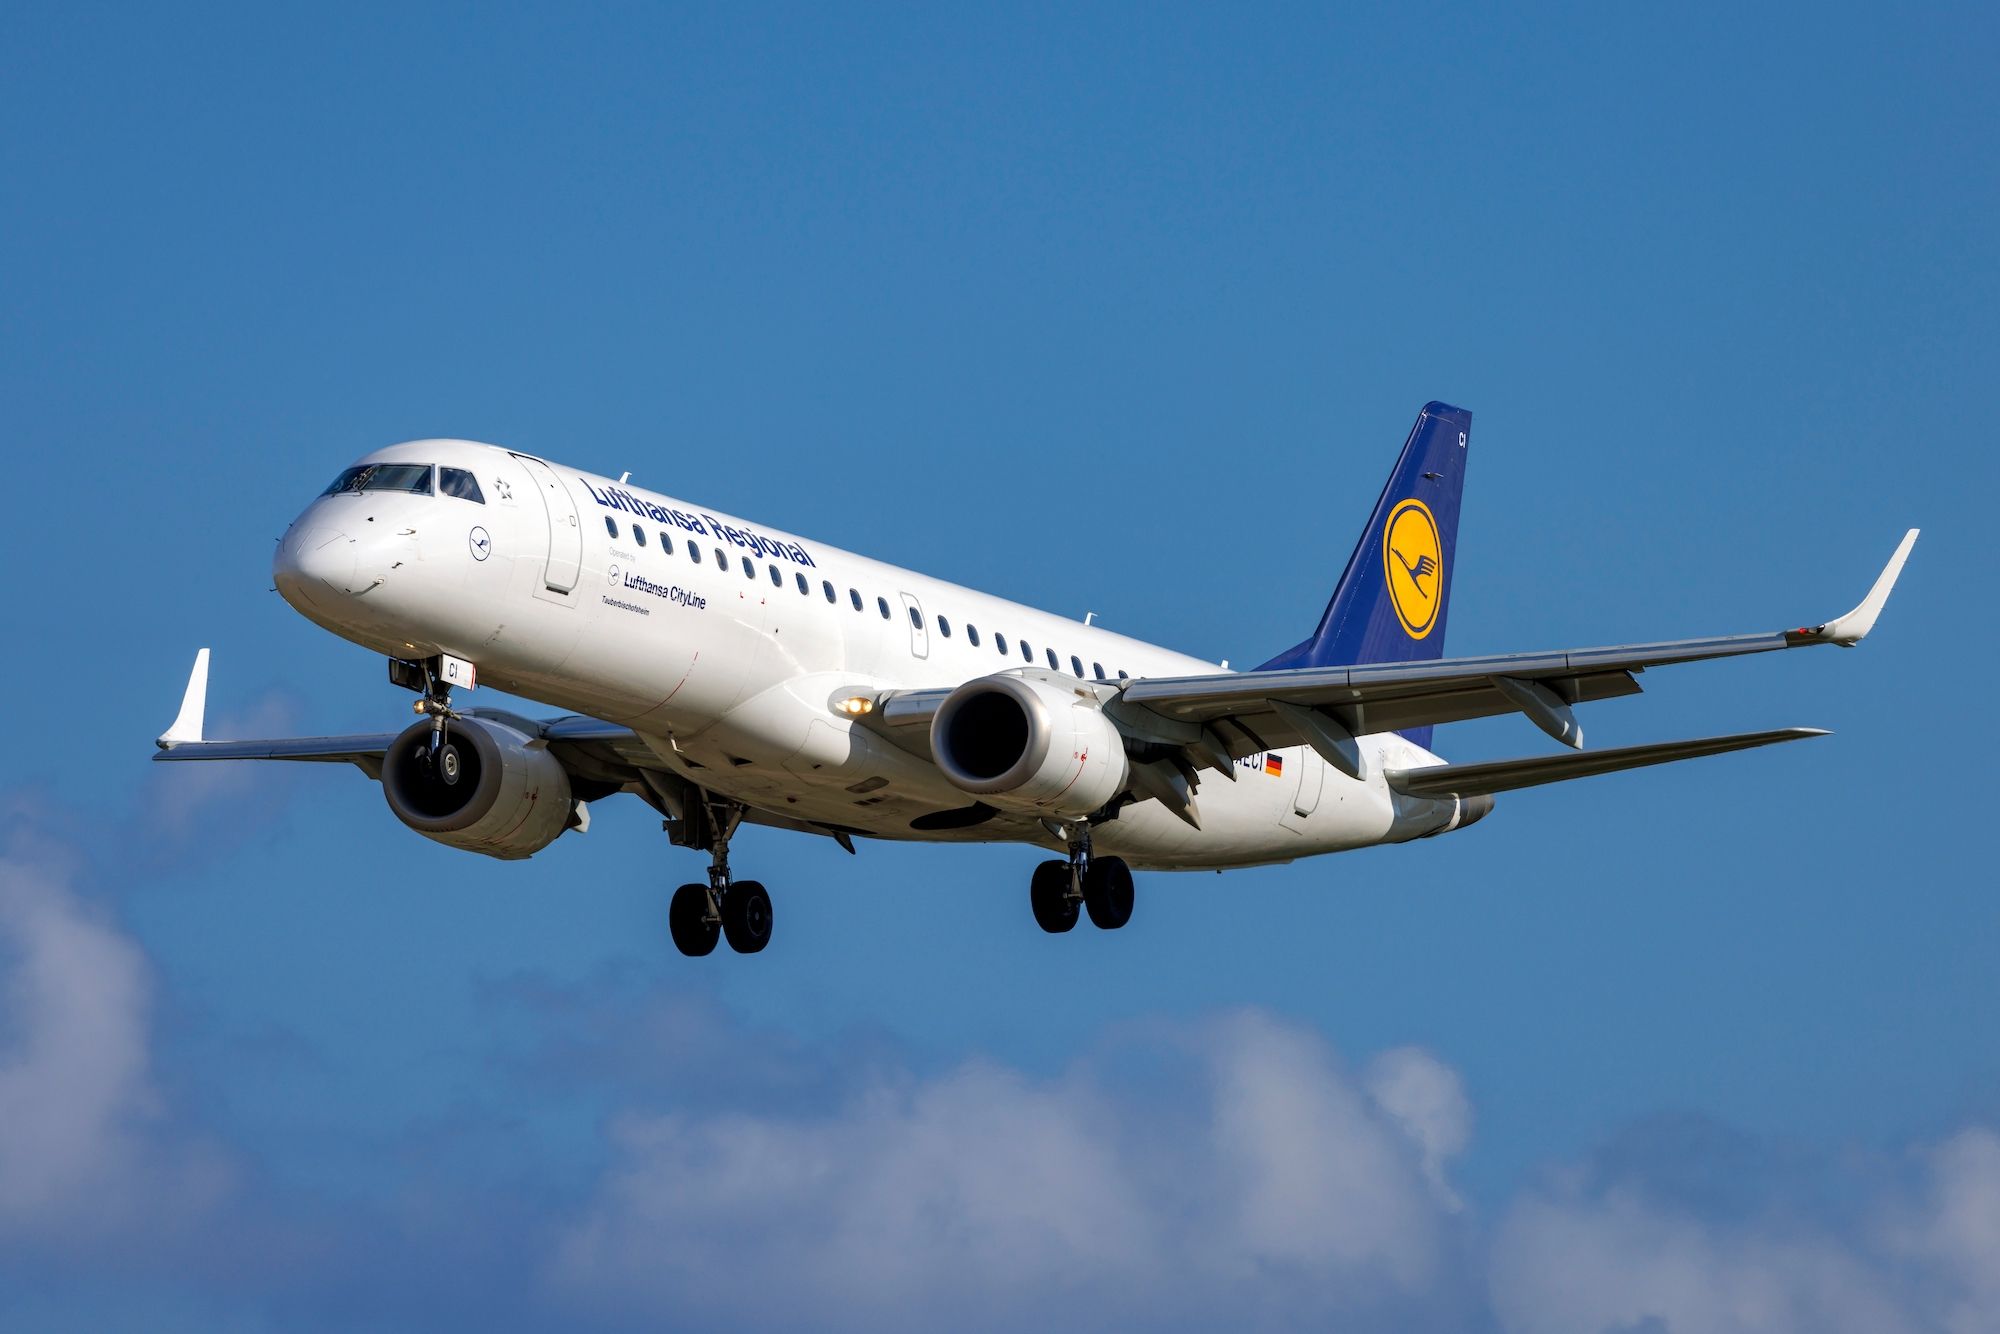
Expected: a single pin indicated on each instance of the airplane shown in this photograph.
(724, 671)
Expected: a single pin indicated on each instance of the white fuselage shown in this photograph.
(726, 645)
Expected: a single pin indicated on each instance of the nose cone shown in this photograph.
(314, 567)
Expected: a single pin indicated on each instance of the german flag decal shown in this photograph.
(1274, 765)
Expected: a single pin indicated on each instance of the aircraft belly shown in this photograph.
(1252, 822)
(786, 751)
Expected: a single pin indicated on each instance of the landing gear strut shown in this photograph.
(1100, 885)
(441, 756)
(737, 909)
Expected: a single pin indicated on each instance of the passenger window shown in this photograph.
(459, 483)
(972, 635)
(916, 619)
(749, 568)
(1076, 666)
(694, 553)
(777, 580)
(944, 627)
(666, 542)
(638, 535)
(883, 603)
(1000, 642)
(1124, 675)
(805, 589)
(854, 596)
(1027, 651)
(611, 527)
(1053, 664)
(1097, 670)
(826, 585)
(721, 559)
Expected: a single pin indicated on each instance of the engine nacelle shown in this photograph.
(1029, 745)
(509, 799)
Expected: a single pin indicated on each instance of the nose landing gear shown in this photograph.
(444, 757)
(428, 680)
(1101, 886)
(739, 911)
(446, 762)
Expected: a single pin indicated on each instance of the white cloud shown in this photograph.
(1565, 1263)
(1427, 1099)
(1315, 1174)
(180, 802)
(1954, 1231)
(1271, 1187)
(1231, 1172)
(73, 1074)
(1575, 1257)
(76, 1093)
(985, 1196)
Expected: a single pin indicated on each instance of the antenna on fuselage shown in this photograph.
(624, 477)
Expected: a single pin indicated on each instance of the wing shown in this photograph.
(1217, 719)
(597, 753)
(584, 745)
(601, 758)
(184, 740)
(1250, 711)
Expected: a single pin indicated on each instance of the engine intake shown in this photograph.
(490, 791)
(1029, 745)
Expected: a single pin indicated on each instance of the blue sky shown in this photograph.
(1123, 311)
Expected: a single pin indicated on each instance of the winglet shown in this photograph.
(187, 726)
(1851, 629)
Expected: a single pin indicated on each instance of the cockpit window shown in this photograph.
(412, 478)
(460, 483)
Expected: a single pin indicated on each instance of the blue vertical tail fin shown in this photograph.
(1391, 601)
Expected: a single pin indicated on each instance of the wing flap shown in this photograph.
(1472, 780)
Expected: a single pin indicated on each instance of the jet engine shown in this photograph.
(1029, 745)
(488, 789)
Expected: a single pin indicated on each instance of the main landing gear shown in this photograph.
(737, 909)
(1101, 886)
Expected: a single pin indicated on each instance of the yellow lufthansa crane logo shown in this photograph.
(1413, 563)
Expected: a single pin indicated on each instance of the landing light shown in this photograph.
(855, 705)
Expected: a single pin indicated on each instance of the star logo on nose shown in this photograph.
(481, 544)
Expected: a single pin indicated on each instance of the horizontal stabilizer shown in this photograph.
(1471, 780)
